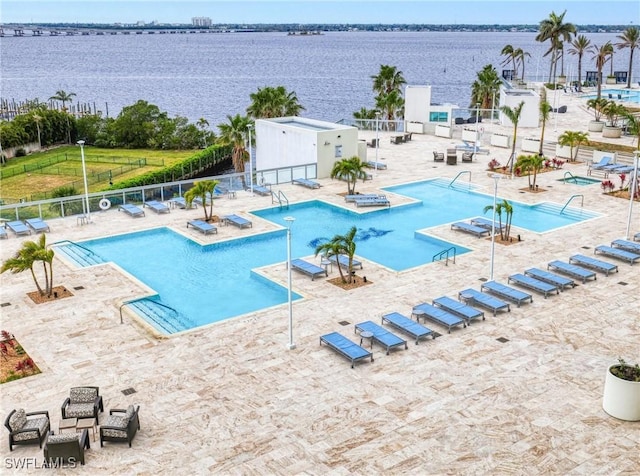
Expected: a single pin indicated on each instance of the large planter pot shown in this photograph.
(562, 80)
(612, 132)
(621, 397)
(596, 126)
(611, 81)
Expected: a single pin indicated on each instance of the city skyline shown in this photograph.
(319, 12)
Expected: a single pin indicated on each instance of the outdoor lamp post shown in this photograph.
(495, 178)
(249, 126)
(633, 184)
(84, 176)
(289, 221)
(475, 144)
(377, 141)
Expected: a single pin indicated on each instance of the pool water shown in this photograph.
(624, 95)
(582, 181)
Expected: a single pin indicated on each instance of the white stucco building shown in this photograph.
(530, 115)
(420, 114)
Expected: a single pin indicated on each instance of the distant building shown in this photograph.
(201, 21)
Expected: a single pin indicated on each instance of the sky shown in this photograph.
(615, 12)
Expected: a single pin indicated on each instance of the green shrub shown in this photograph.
(20, 152)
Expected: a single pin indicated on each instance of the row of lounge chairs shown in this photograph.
(368, 200)
(607, 165)
(207, 228)
(314, 270)
(306, 183)
(19, 227)
(477, 226)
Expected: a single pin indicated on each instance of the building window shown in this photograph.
(438, 117)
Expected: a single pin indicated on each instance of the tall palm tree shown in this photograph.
(554, 30)
(203, 190)
(269, 102)
(601, 54)
(579, 47)
(63, 97)
(26, 258)
(234, 133)
(387, 80)
(485, 87)
(630, 38)
(520, 56)
(513, 114)
(38, 119)
(545, 110)
(392, 106)
(510, 57)
(349, 170)
(341, 244)
(202, 124)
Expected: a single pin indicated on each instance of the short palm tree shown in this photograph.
(203, 190)
(269, 102)
(234, 133)
(26, 258)
(341, 245)
(349, 170)
(391, 105)
(579, 47)
(573, 139)
(63, 97)
(513, 114)
(545, 110)
(387, 80)
(531, 164)
(507, 208)
(630, 38)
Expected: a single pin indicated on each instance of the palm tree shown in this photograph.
(507, 208)
(392, 106)
(633, 126)
(573, 139)
(38, 119)
(579, 47)
(234, 133)
(364, 118)
(545, 110)
(387, 80)
(520, 55)
(531, 163)
(485, 87)
(202, 124)
(349, 170)
(341, 245)
(203, 190)
(630, 38)
(513, 114)
(554, 30)
(510, 57)
(26, 258)
(63, 96)
(270, 102)
(601, 54)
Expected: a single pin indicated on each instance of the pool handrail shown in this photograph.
(438, 256)
(459, 174)
(564, 179)
(569, 201)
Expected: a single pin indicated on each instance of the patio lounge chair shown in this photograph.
(238, 221)
(203, 227)
(180, 202)
(507, 292)
(572, 270)
(343, 261)
(541, 275)
(24, 430)
(345, 347)
(467, 156)
(636, 237)
(18, 227)
(305, 183)
(604, 161)
(452, 156)
(308, 268)
(437, 315)
(121, 425)
(458, 308)
(38, 225)
(592, 263)
(617, 253)
(374, 143)
(372, 164)
(361, 196)
(485, 223)
(66, 447)
(157, 206)
(380, 201)
(468, 228)
(416, 330)
(381, 336)
(3, 232)
(438, 156)
(533, 283)
(261, 190)
(131, 210)
(82, 402)
(626, 245)
(471, 296)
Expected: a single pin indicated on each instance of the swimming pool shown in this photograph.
(624, 95)
(203, 284)
(582, 181)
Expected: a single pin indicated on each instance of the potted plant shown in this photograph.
(622, 391)
(614, 113)
(596, 105)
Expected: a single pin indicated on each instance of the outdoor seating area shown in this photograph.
(592, 263)
(618, 253)
(469, 228)
(509, 293)
(27, 428)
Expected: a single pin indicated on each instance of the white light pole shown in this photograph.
(289, 221)
(250, 161)
(377, 141)
(475, 144)
(84, 176)
(493, 105)
(495, 178)
(632, 188)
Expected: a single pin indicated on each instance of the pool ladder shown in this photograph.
(280, 198)
(569, 201)
(91, 253)
(461, 173)
(156, 303)
(571, 177)
(445, 253)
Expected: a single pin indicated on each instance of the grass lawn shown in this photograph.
(42, 172)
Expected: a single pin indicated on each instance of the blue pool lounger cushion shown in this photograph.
(18, 227)
(437, 315)
(473, 296)
(362, 196)
(406, 325)
(380, 201)
(306, 183)
(626, 245)
(534, 284)
(592, 263)
(348, 349)
(261, 190)
(458, 308)
(38, 225)
(131, 210)
(572, 270)
(237, 221)
(203, 226)
(308, 268)
(157, 206)
(618, 253)
(381, 336)
(507, 292)
(343, 261)
(469, 228)
(541, 275)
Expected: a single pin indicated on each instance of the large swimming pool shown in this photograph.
(624, 95)
(201, 284)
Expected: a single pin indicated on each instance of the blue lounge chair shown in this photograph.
(261, 190)
(381, 336)
(506, 292)
(343, 261)
(472, 296)
(18, 227)
(202, 226)
(592, 263)
(348, 349)
(306, 183)
(458, 308)
(380, 201)
(541, 275)
(572, 270)
(617, 253)
(3, 232)
(468, 228)
(636, 237)
(131, 210)
(238, 221)
(38, 224)
(533, 283)
(157, 206)
(361, 196)
(180, 202)
(484, 223)
(406, 325)
(308, 268)
(437, 315)
(626, 245)
(372, 164)
(604, 162)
